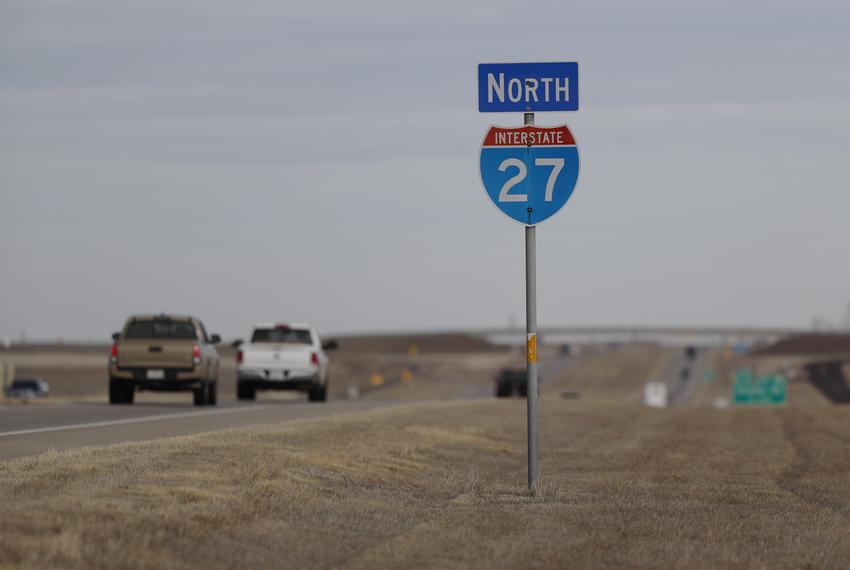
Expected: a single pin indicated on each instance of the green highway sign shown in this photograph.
(761, 391)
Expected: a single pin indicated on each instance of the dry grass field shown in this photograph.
(442, 485)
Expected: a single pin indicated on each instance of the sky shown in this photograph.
(318, 162)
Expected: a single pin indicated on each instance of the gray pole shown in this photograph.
(531, 341)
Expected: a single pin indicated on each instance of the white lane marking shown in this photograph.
(135, 420)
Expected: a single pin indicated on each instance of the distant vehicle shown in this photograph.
(570, 350)
(283, 357)
(167, 353)
(27, 388)
(512, 381)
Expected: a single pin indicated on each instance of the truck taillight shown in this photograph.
(314, 359)
(113, 356)
(196, 354)
(239, 357)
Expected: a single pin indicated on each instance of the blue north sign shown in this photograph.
(527, 87)
(529, 172)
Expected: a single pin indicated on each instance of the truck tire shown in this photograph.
(114, 392)
(318, 393)
(200, 395)
(121, 391)
(245, 391)
(212, 399)
(502, 391)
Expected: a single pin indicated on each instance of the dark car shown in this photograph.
(26, 388)
(512, 381)
(570, 350)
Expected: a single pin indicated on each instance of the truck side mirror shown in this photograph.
(237, 343)
(215, 339)
(116, 335)
(330, 345)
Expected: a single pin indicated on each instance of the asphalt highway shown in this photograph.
(28, 430)
(31, 429)
(683, 376)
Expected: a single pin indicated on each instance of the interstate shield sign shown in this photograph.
(529, 172)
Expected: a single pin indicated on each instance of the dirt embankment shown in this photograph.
(822, 359)
(811, 344)
(422, 343)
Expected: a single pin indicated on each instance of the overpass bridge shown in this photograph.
(673, 335)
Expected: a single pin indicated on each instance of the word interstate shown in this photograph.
(529, 138)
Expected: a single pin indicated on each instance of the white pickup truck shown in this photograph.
(283, 357)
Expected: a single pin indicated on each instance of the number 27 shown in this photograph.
(504, 196)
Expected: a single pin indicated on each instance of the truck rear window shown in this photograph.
(161, 330)
(282, 336)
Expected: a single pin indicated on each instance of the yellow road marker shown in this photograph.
(377, 379)
(406, 375)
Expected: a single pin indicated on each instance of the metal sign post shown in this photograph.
(529, 173)
(531, 339)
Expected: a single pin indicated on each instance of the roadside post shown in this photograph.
(529, 173)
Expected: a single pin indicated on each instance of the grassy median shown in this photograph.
(443, 485)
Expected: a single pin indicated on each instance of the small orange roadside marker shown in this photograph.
(377, 379)
(531, 347)
(406, 375)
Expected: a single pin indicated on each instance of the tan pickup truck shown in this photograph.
(167, 353)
